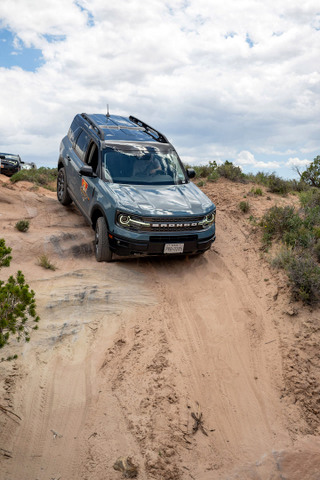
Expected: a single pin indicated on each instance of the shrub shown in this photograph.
(244, 206)
(22, 225)
(17, 309)
(283, 258)
(316, 250)
(213, 177)
(230, 171)
(201, 183)
(5, 257)
(277, 185)
(44, 262)
(304, 276)
(43, 177)
(278, 221)
(17, 304)
(310, 198)
(257, 192)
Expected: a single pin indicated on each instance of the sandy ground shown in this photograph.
(195, 368)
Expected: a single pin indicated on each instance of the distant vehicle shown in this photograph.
(11, 164)
(128, 181)
(28, 166)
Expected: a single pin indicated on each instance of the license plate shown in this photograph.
(173, 247)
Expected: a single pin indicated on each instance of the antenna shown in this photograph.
(108, 114)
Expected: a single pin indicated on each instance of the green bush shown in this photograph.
(277, 185)
(17, 304)
(316, 250)
(230, 171)
(43, 177)
(22, 225)
(5, 257)
(300, 233)
(244, 206)
(44, 262)
(304, 276)
(279, 221)
(257, 192)
(213, 177)
(283, 258)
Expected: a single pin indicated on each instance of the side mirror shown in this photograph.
(191, 173)
(87, 171)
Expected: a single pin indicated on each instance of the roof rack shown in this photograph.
(93, 125)
(151, 131)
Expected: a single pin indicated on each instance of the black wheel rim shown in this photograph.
(97, 239)
(60, 185)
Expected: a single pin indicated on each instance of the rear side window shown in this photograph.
(82, 145)
(74, 131)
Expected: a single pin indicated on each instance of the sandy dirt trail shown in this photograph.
(132, 356)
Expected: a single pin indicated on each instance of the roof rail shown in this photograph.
(93, 125)
(151, 131)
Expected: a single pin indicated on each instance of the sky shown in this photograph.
(222, 79)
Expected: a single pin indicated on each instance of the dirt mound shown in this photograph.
(195, 367)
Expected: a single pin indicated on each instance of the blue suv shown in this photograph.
(129, 183)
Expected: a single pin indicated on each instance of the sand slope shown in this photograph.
(131, 357)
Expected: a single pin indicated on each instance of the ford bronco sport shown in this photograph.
(130, 184)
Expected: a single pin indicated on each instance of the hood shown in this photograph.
(153, 200)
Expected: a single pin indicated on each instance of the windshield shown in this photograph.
(141, 164)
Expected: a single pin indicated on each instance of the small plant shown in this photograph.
(244, 206)
(17, 304)
(214, 176)
(22, 225)
(253, 220)
(283, 258)
(44, 262)
(201, 183)
(5, 257)
(304, 276)
(257, 192)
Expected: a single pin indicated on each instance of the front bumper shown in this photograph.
(155, 244)
(9, 170)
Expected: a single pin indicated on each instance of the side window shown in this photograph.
(92, 157)
(82, 144)
(74, 131)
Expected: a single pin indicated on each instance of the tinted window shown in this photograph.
(74, 131)
(82, 144)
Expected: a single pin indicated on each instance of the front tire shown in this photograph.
(62, 190)
(102, 248)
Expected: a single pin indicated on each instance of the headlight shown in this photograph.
(208, 219)
(131, 221)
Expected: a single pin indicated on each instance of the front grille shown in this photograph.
(172, 219)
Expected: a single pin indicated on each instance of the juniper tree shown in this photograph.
(17, 303)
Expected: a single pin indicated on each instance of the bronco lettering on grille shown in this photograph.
(174, 225)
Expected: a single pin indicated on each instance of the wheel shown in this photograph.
(102, 249)
(62, 192)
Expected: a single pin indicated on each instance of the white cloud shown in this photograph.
(296, 162)
(246, 158)
(185, 67)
